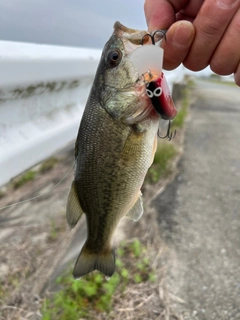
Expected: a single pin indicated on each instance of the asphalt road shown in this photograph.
(199, 213)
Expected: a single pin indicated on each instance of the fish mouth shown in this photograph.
(133, 35)
(147, 59)
(132, 38)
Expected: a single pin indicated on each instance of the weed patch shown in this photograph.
(160, 167)
(178, 121)
(48, 165)
(56, 229)
(93, 294)
(28, 176)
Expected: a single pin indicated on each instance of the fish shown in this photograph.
(114, 149)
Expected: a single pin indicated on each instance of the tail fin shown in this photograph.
(88, 262)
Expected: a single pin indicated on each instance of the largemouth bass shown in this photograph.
(115, 146)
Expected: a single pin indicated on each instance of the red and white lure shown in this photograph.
(148, 59)
(159, 93)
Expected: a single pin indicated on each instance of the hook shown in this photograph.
(163, 35)
(169, 134)
(147, 35)
(153, 34)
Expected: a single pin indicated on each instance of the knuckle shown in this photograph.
(210, 29)
(225, 60)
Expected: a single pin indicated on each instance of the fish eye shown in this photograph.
(113, 58)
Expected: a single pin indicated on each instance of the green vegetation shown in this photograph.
(48, 165)
(190, 85)
(56, 228)
(178, 121)
(84, 298)
(8, 283)
(28, 176)
(221, 81)
(160, 167)
(53, 232)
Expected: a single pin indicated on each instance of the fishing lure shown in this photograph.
(158, 89)
(148, 59)
(159, 93)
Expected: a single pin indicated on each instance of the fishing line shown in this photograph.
(40, 195)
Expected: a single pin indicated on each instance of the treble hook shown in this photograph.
(169, 134)
(152, 35)
(163, 33)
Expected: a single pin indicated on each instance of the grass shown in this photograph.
(178, 121)
(8, 284)
(161, 163)
(48, 165)
(222, 82)
(56, 228)
(28, 176)
(53, 232)
(93, 294)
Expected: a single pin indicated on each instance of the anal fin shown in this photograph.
(74, 210)
(136, 211)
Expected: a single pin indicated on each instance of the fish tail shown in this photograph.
(89, 261)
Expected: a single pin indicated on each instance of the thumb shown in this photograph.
(179, 39)
(159, 14)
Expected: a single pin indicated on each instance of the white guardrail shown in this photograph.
(43, 91)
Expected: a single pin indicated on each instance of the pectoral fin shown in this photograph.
(136, 211)
(74, 210)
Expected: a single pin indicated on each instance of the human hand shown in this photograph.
(201, 33)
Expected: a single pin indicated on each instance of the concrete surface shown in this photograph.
(199, 213)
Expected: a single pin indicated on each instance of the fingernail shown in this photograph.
(182, 35)
(226, 4)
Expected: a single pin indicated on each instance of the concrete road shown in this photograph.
(199, 213)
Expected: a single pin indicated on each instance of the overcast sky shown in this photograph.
(82, 23)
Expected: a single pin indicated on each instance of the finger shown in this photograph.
(210, 25)
(227, 55)
(179, 38)
(160, 14)
(237, 75)
(190, 11)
